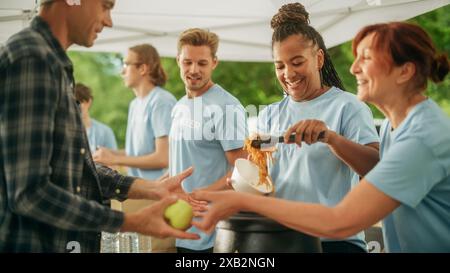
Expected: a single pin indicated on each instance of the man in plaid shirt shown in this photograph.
(51, 193)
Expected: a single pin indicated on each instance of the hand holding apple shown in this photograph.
(179, 214)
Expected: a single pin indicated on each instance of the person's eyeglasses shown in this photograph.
(126, 64)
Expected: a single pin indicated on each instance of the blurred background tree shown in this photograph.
(251, 83)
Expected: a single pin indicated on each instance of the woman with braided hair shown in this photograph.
(409, 188)
(324, 170)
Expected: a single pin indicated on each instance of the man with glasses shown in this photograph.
(146, 146)
(146, 152)
(52, 195)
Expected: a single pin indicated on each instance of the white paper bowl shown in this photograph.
(245, 178)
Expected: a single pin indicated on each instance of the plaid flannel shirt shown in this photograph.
(50, 190)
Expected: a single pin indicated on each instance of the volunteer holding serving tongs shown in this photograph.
(410, 186)
(327, 165)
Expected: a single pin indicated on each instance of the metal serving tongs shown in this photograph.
(270, 141)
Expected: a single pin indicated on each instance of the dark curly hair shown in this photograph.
(293, 19)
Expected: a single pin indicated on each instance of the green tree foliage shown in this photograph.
(253, 83)
(437, 24)
(101, 72)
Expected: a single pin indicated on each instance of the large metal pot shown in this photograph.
(247, 232)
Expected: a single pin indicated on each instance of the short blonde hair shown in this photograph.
(199, 37)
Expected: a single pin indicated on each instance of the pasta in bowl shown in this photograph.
(252, 175)
(245, 178)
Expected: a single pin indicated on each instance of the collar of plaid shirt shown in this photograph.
(38, 24)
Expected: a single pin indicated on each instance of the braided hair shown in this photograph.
(293, 19)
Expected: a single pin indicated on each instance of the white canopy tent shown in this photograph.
(242, 25)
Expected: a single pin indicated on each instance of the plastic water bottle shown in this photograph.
(124, 242)
(145, 244)
(109, 243)
(129, 242)
(134, 242)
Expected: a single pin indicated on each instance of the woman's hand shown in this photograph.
(308, 131)
(229, 181)
(222, 204)
(360, 158)
(198, 206)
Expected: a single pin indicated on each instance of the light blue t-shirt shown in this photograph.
(203, 129)
(100, 135)
(415, 170)
(313, 173)
(148, 119)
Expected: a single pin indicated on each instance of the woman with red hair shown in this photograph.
(410, 186)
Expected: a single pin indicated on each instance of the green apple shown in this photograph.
(179, 214)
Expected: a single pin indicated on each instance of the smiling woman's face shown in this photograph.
(297, 65)
(375, 79)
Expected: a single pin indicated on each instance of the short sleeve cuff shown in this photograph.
(385, 189)
(161, 133)
(233, 145)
